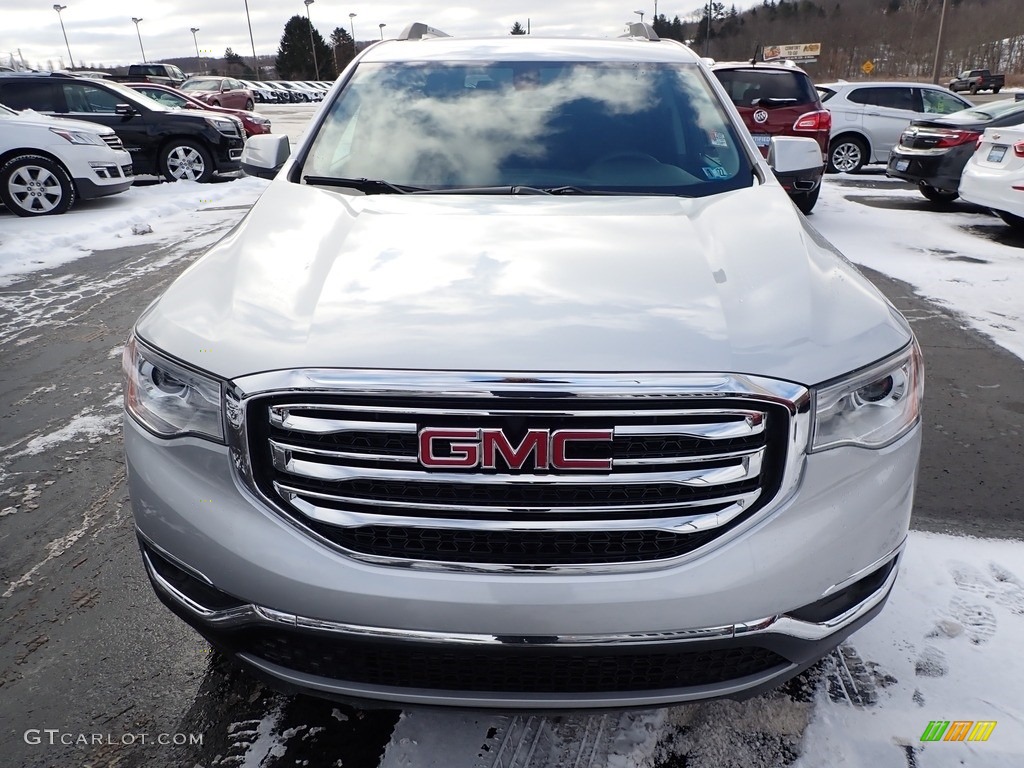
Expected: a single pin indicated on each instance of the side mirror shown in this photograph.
(789, 154)
(264, 155)
(125, 110)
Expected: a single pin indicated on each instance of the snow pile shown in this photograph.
(947, 647)
(153, 214)
(932, 250)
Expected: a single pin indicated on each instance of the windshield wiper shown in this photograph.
(505, 189)
(366, 186)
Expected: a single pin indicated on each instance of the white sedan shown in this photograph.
(994, 176)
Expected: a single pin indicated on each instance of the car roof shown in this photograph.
(775, 66)
(879, 83)
(529, 48)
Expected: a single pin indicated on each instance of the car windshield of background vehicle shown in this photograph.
(201, 85)
(629, 128)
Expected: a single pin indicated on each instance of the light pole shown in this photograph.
(938, 43)
(352, 25)
(379, 25)
(641, 15)
(312, 47)
(707, 37)
(199, 62)
(255, 61)
(136, 19)
(58, 9)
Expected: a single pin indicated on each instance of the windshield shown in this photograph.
(990, 111)
(134, 97)
(631, 128)
(201, 85)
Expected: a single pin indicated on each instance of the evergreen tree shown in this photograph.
(295, 59)
(343, 46)
(518, 29)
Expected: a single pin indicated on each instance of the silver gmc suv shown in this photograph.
(524, 384)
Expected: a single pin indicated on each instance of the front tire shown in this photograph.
(249, 105)
(33, 185)
(847, 154)
(184, 160)
(937, 195)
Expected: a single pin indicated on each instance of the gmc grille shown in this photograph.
(683, 472)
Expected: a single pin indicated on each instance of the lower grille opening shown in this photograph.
(834, 605)
(514, 547)
(193, 588)
(501, 669)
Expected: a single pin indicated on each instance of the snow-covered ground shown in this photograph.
(947, 646)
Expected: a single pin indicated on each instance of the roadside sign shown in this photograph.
(798, 52)
(867, 67)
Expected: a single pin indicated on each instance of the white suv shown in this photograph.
(46, 162)
(524, 384)
(869, 117)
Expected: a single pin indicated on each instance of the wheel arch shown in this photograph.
(10, 154)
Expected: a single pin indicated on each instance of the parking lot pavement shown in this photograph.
(86, 649)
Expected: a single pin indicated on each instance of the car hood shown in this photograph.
(313, 277)
(35, 119)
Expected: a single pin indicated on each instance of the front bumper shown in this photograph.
(752, 611)
(301, 654)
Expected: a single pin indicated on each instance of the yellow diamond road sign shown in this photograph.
(867, 67)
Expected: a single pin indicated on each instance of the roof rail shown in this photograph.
(420, 31)
(641, 30)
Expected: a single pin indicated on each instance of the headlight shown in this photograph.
(79, 137)
(224, 125)
(169, 399)
(873, 407)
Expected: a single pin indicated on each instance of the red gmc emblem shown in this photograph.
(539, 449)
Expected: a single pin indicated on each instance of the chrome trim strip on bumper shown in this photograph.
(777, 625)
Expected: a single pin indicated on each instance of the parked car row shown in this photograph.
(287, 91)
(933, 153)
(161, 140)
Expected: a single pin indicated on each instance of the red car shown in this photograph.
(220, 92)
(172, 97)
(777, 99)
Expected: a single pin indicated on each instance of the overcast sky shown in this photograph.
(102, 32)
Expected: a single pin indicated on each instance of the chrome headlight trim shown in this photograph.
(872, 407)
(168, 398)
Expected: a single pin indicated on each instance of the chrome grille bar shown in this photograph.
(687, 524)
(497, 510)
(747, 467)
